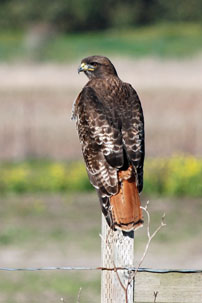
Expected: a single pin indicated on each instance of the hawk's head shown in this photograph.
(97, 67)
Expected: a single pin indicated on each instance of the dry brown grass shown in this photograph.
(36, 103)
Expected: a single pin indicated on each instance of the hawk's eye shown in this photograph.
(94, 64)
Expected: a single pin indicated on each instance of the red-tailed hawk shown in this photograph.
(110, 125)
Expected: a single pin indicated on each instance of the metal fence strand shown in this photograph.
(71, 268)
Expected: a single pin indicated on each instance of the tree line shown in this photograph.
(91, 15)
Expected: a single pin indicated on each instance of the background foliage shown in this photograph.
(168, 40)
(176, 176)
(89, 15)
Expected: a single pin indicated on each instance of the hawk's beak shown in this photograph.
(84, 67)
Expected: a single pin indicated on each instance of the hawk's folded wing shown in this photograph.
(101, 141)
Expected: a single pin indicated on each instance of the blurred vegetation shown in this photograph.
(50, 236)
(39, 176)
(49, 287)
(91, 15)
(165, 40)
(66, 29)
(176, 176)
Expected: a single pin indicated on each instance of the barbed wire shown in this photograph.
(70, 268)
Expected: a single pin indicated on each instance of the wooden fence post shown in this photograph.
(118, 250)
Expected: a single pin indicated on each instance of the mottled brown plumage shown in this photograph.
(110, 125)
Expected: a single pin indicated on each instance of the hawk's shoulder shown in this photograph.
(87, 95)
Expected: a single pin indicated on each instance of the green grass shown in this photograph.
(164, 40)
(43, 176)
(11, 45)
(50, 287)
(66, 233)
(175, 176)
(35, 221)
(56, 238)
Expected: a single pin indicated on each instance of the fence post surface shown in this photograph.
(118, 251)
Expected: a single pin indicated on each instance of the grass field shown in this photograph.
(175, 176)
(164, 40)
(63, 230)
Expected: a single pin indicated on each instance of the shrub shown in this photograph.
(175, 176)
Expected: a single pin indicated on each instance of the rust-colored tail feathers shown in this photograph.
(125, 205)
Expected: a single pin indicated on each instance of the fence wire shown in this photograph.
(70, 268)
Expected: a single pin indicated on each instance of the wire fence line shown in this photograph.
(71, 268)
